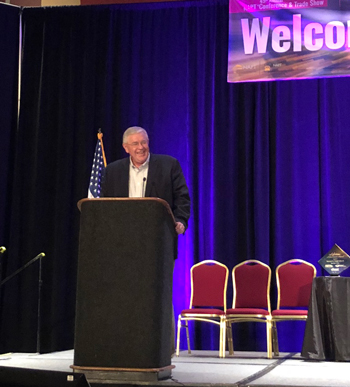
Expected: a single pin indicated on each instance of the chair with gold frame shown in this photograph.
(294, 281)
(251, 298)
(208, 300)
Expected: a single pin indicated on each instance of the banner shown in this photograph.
(283, 39)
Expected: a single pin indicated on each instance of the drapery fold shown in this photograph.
(266, 163)
(9, 48)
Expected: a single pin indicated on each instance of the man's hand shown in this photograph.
(179, 228)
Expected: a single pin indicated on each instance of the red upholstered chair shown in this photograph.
(294, 281)
(251, 298)
(208, 300)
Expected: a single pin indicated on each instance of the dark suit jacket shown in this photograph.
(165, 181)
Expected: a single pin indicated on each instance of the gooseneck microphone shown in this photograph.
(143, 187)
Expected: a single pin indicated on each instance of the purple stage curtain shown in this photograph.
(266, 163)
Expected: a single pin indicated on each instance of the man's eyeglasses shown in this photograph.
(136, 144)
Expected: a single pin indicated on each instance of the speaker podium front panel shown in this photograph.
(124, 288)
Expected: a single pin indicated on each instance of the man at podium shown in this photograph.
(124, 316)
(145, 174)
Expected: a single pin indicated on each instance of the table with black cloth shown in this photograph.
(327, 331)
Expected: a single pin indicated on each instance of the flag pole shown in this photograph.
(99, 136)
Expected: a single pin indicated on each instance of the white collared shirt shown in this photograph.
(138, 179)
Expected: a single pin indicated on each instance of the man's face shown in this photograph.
(137, 146)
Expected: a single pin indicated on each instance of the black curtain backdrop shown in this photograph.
(9, 54)
(267, 164)
(9, 49)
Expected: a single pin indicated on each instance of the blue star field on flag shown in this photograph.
(96, 172)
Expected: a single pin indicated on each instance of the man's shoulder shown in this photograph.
(119, 163)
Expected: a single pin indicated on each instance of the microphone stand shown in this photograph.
(39, 308)
(39, 256)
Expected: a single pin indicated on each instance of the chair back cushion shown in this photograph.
(209, 284)
(294, 279)
(251, 285)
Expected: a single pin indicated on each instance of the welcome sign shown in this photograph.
(281, 39)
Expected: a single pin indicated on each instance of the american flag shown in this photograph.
(98, 166)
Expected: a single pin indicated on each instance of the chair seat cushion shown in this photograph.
(289, 312)
(203, 311)
(247, 311)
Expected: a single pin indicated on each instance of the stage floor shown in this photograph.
(205, 368)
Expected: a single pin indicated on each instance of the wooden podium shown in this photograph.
(124, 289)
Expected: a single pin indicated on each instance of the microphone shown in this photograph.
(2, 249)
(143, 187)
(41, 255)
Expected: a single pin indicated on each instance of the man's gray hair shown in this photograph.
(133, 130)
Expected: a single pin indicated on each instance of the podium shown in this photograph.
(124, 288)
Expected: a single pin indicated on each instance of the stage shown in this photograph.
(201, 368)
